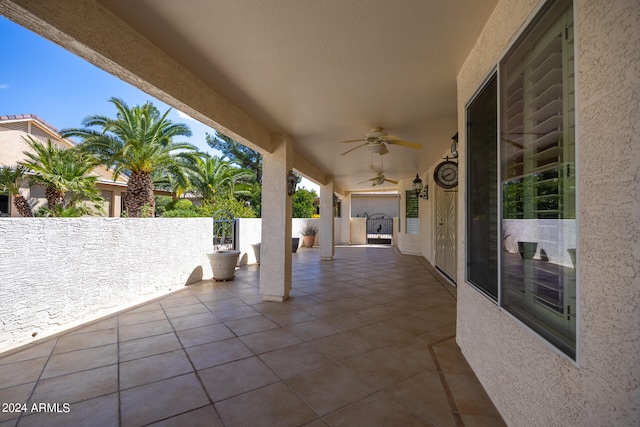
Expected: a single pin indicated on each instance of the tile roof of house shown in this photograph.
(5, 118)
(122, 179)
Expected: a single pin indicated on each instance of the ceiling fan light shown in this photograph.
(376, 148)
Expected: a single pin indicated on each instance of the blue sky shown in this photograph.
(39, 77)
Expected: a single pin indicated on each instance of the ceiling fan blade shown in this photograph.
(355, 148)
(393, 181)
(353, 140)
(408, 144)
(367, 180)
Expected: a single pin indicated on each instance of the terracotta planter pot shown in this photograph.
(308, 241)
(223, 264)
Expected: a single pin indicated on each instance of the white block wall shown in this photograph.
(250, 230)
(56, 273)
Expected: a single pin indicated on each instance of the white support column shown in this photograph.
(275, 250)
(326, 221)
(346, 220)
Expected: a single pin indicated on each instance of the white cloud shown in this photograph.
(4, 86)
(184, 116)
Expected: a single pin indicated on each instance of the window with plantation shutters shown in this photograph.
(412, 212)
(521, 201)
(537, 146)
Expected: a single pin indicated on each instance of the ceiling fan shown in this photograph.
(376, 140)
(379, 179)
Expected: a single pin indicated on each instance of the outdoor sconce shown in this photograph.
(421, 191)
(292, 182)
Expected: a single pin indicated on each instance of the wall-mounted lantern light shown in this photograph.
(292, 182)
(421, 191)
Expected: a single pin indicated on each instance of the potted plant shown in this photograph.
(224, 258)
(223, 263)
(309, 235)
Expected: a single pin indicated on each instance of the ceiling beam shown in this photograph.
(308, 169)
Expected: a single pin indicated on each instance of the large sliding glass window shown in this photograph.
(537, 135)
(482, 185)
(535, 180)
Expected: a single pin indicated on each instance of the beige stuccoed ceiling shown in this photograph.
(323, 71)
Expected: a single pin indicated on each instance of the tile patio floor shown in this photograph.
(364, 340)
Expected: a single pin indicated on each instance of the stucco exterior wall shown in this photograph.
(56, 273)
(12, 145)
(370, 204)
(250, 229)
(358, 231)
(528, 381)
(345, 223)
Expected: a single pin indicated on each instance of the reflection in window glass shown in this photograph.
(482, 199)
(537, 134)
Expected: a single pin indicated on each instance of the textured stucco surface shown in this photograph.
(374, 203)
(528, 381)
(250, 232)
(59, 272)
(275, 253)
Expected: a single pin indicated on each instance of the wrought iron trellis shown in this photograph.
(224, 230)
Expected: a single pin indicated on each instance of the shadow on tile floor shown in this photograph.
(367, 339)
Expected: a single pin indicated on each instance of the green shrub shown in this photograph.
(162, 202)
(302, 204)
(180, 204)
(180, 213)
(61, 212)
(237, 208)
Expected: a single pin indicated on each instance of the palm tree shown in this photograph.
(45, 161)
(212, 177)
(137, 142)
(65, 174)
(10, 179)
(237, 153)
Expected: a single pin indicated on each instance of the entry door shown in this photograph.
(445, 230)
